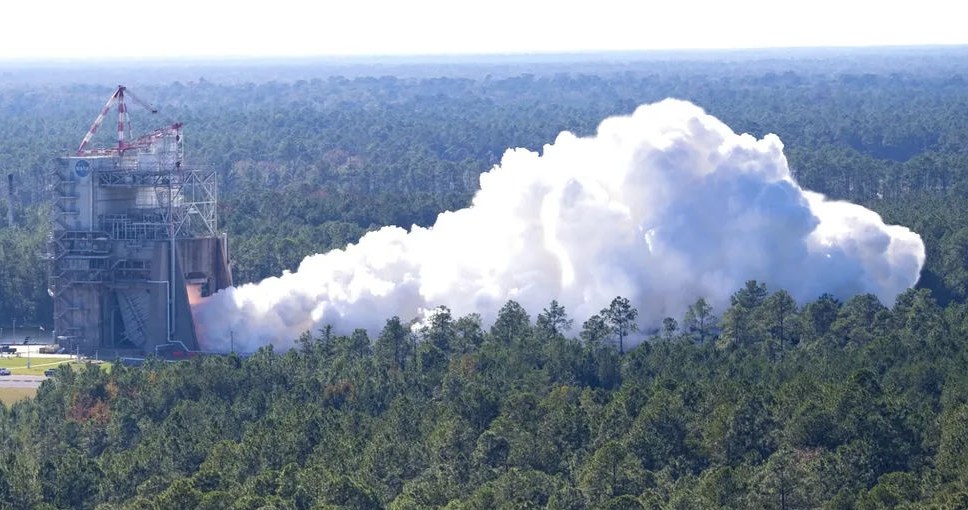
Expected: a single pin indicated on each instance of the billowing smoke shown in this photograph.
(663, 206)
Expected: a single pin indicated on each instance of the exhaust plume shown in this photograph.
(662, 206)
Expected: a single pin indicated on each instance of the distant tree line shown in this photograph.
(309, 165)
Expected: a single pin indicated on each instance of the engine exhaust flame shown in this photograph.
(662, 206)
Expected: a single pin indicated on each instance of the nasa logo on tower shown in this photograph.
(82, 168)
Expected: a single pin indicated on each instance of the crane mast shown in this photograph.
(124, 127)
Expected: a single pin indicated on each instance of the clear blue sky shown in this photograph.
(38, 29)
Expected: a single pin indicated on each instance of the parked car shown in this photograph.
(4, 371)
(50, 372)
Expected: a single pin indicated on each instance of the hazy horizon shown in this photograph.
(180, 29)
(539, 56)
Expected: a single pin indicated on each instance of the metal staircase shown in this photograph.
(134, 308)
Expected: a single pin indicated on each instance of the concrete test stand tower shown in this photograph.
(134, 240)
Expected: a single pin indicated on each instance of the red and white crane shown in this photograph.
(124, 125)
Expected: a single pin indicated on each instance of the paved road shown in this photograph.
(21, 381)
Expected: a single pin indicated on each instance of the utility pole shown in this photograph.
(10, 194)
(171, 259)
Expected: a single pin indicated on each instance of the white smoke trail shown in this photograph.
(663, 207)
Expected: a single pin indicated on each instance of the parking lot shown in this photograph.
(21, 381)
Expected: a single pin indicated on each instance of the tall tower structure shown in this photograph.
(134, 240)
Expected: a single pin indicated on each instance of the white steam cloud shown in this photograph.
(663, 206)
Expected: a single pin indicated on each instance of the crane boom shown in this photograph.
(123, 123)
(144, 104)
(100, 118)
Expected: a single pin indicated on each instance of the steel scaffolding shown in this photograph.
(104, 228)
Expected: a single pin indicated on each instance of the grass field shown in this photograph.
(18, 366)
(11, 395)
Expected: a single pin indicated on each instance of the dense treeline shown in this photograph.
(309, 165)
(764, 405)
